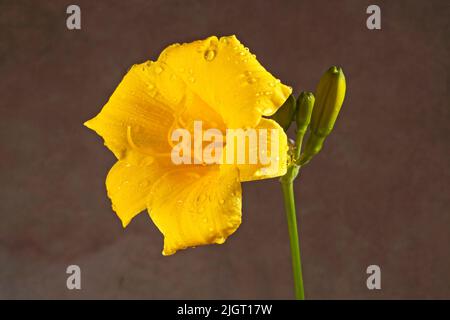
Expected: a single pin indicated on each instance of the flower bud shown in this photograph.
(330, 94)
(305, 104)
(285, 113)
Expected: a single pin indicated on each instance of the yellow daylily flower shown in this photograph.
(217, 81)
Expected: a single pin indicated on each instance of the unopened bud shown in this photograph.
(305, 104)
(330, 95)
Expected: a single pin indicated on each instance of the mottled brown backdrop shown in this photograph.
(377, 194)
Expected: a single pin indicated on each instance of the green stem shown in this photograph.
(289, 203)
(287, 184)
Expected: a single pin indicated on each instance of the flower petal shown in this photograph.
(228, 78)
(129, 185)
(140, 112)
(198, 206)
(278, 160)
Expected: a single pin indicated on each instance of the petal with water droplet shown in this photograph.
(128, 187)
(217, 214)
(219, 66)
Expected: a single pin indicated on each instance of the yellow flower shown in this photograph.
(217, 81)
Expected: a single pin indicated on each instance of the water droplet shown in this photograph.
(192, 79)
(209, 55)
(221, 201)
(150, 86)
(211, 229)
(242, 53)
(220, 240)
(251, 80)
(268, 93)
(224, 40)
(158, 69)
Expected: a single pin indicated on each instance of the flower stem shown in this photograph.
(289, 203)
(287, 185)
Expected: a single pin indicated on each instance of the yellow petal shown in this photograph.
(278, 163)
(196, 206)
(129, 185)
(140, 112)
(224, 74)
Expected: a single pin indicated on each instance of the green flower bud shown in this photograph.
(330, 95)
(285, 113)
(305, 104)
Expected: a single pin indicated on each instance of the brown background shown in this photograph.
(377, 194)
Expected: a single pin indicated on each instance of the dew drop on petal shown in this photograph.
(158, 69)
(258, 173)
(209, 55)
(219, 240)
(221, 201)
